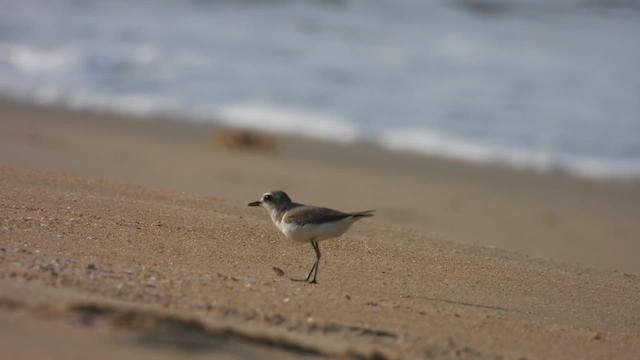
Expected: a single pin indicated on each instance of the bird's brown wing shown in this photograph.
(313, 215)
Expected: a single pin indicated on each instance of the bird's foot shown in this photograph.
(305, 280)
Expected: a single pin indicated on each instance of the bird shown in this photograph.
(306, 223)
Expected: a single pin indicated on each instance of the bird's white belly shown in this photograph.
(317, 232)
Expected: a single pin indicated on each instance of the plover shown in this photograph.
(304, 223)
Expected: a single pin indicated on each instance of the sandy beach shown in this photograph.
(131, 238)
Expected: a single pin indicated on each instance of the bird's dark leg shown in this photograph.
(315, 264)
(316, 247)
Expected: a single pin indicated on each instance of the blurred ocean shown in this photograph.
(543, 84)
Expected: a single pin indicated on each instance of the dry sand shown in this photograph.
(162, 258)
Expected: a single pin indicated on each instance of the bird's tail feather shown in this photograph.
(360, 214)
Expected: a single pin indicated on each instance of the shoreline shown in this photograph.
(174, 119)
(551, 215)
(187, 128)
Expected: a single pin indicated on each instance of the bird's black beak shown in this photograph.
(255, 203)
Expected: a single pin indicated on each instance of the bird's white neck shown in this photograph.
(276, 216)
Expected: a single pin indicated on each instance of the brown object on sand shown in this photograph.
(238, 139)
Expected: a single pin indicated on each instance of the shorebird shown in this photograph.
(307, 224)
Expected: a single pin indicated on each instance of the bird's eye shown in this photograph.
(268, 197)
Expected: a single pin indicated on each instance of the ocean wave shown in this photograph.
(34, 60)
(604, 169)
(288, 121)
(431, 143)
(141, 106)
(58, 61)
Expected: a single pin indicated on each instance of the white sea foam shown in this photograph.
(603, 169)
(33, 60)
(288, 121)
(141, 106)
(431, 143)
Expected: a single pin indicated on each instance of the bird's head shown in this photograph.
(273, 200)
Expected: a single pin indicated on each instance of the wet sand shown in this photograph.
(134, 237)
